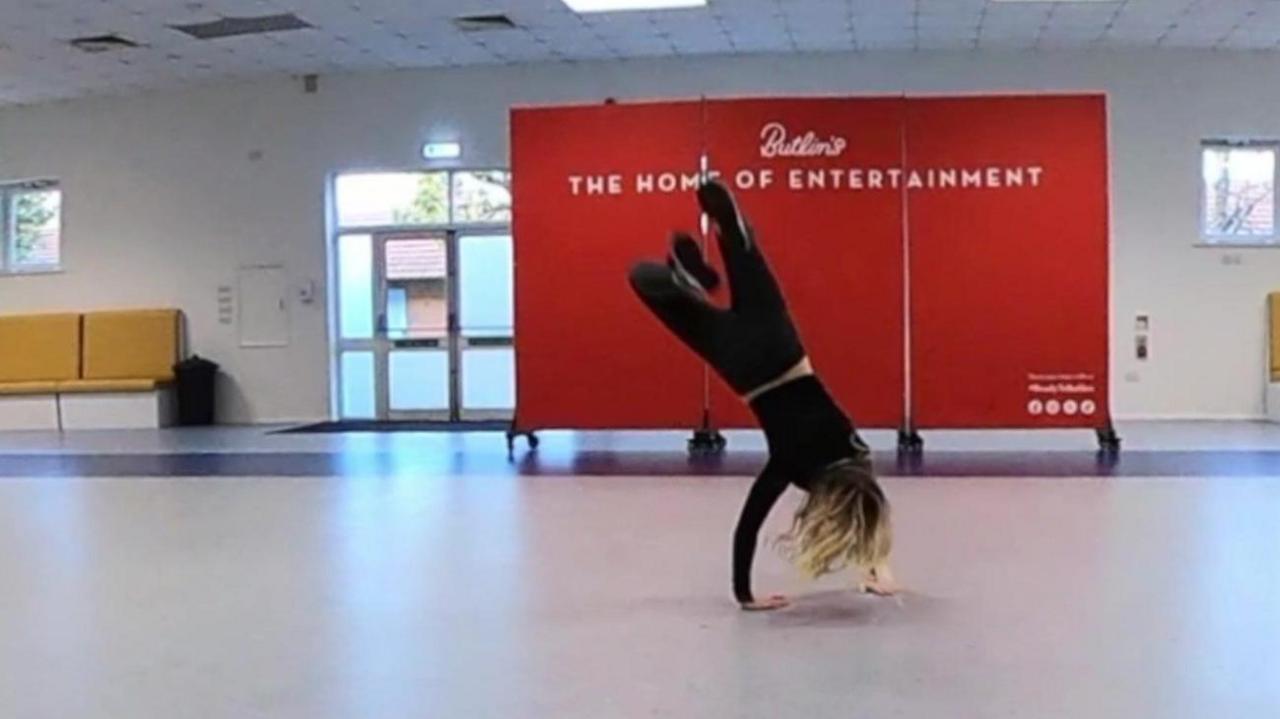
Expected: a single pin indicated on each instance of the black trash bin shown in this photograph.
(195, 378)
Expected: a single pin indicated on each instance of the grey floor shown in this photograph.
(475, 597)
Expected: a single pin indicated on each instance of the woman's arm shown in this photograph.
(768, 487)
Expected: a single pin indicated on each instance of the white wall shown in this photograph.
(162, 202)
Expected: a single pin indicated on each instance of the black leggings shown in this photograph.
(751, 343)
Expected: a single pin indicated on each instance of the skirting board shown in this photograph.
(1273, 402)
(28, 412)
(1181, 417)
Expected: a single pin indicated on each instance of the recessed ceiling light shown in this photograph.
(235, 26)
(585, 6)
(102, 43)
(483, 23)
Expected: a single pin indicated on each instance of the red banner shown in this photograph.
(588, 355)
(834, 242)
(1007, 212)
(1003, 201)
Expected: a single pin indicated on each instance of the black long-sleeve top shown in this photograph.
(806, 432)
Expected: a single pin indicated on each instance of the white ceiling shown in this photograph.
(37, 64)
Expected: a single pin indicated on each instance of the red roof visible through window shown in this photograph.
(415, 259)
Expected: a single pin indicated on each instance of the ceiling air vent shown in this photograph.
(234, 26)
(483, 23)
(102, 43)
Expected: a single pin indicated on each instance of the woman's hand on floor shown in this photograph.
(777, 601)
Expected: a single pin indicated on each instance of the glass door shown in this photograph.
(415, 347)
(422, 310)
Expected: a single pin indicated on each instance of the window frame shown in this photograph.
(1213, 240)
(450, 221)
(8, 226)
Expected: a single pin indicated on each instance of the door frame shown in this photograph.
(384, 345)
(379, 344)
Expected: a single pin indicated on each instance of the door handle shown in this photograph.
(382, 324)
(427, 343)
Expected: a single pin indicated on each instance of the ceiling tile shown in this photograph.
(37, 64)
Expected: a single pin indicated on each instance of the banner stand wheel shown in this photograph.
(512, 434)
(1108, 440)
(910, 441)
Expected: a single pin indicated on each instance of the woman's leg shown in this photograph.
(752, 286)
(686, 258)
(680, 306)
(752, 343)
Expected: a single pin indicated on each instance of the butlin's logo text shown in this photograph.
(776, 141)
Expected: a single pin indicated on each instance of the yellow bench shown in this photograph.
(102, 369)
(37, 352)
(1273, 320)
(1273, 357)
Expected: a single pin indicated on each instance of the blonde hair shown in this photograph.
(844, 521)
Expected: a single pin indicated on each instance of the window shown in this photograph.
(1239, 203)
(445, 197)
(482, 196)
(30, 227)
(392, 198)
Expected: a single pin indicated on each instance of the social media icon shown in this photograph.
(1088, 407)
(1053, 407)
(1070, 407)
(1035, 407)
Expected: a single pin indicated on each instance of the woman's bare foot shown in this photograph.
(880, 582)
